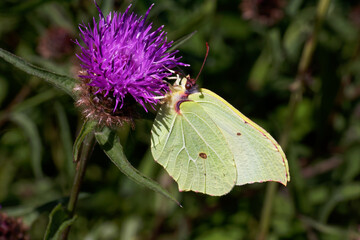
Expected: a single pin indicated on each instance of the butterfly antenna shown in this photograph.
(206, 55)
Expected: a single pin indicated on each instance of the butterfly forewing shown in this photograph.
(193, 150)
(258, 157)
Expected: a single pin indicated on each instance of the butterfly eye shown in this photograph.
(188, 86)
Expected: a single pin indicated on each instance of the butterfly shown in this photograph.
(208, 146)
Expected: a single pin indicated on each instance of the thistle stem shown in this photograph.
(86, 150)
(295, 99)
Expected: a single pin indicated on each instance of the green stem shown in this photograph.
(295, 98)
(87, 147)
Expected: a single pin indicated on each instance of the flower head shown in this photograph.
(123, 62)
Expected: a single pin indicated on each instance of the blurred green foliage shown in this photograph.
(253, 61)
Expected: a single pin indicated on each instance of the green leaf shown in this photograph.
(4, 85)
(110, 143)
(30, 129)
(331, 229)
(86, 128)
(344, 193)
(66, 139)
(58, 222)
(7, 174)
(60, 81)
(260, 70)
(181, 41)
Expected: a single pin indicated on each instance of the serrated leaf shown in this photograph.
(86, 128)
(110, 143)
(59, 220)
(65, 83)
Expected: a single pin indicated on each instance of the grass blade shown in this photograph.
(31, 131)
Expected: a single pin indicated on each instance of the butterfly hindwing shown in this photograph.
(258, 157)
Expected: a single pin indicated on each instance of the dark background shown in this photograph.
(255, 50)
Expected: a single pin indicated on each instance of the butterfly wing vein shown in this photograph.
(177, 143)
(258, 157)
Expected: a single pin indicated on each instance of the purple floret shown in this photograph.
(123, 57)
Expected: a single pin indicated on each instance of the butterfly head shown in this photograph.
(190, 85)
(184, 85)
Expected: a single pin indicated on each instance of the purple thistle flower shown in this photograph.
(122, 57)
